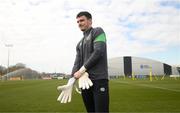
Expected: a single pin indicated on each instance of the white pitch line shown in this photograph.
(145, 85)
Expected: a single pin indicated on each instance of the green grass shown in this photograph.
(126, 96)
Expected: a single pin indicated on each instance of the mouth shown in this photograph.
(81, 27)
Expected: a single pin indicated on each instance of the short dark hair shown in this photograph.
(84, 13)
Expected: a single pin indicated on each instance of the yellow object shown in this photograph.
(150, 76)
(162, 77)
(133, 78)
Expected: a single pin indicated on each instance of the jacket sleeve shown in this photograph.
(99, 47)
(76, 62)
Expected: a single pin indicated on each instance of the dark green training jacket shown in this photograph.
(92, 53)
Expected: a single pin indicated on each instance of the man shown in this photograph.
(91, 57)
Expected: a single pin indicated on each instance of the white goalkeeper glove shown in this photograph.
(66, 91)
(84, 81)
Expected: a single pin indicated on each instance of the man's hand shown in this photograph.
(85, 82)
(78, 73)
(66, 91)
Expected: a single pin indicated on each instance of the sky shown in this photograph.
(44, 33)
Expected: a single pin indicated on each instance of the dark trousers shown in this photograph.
(96, 98)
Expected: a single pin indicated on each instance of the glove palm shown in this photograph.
(84, 81)
(66, 91)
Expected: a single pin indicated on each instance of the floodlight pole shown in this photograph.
(8, 46)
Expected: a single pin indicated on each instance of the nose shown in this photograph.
(79, 24)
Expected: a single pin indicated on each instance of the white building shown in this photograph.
(129, 65)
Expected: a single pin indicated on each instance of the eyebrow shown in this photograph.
(80, 20)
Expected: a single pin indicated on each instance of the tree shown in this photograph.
(2, 70)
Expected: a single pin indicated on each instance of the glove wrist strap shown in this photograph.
(82, 70)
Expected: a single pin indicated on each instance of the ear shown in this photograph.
(90, 21)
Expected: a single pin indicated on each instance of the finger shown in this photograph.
(63, 98)
(77, 90)
(58, 99)
(60, 96)
(69, 95)
(62, 87)
(59, 88)
(83, 85)
(90, 82)
(66, 98)
(86, 85)
(80, 84)
(69, 99)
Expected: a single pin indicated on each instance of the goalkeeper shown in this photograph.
(90, 67)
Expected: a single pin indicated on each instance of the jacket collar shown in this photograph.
(85, 33)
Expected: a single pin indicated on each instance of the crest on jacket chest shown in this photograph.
(88, 37)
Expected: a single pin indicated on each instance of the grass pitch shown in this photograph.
(126, 96)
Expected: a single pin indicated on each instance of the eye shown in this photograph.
(81, 20)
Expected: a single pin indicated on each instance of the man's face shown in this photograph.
(84, 23)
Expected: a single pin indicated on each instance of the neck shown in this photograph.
(87, 30)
